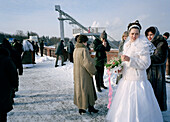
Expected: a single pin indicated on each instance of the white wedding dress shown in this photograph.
(134, 100)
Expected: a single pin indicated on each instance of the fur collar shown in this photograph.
(80, 45)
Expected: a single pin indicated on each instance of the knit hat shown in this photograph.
(134, 25)
(166, 34)
(103, 35)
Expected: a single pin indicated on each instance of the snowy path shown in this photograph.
(46, 95)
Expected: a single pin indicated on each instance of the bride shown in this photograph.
(134, 100)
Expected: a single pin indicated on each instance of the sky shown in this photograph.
(114, 15)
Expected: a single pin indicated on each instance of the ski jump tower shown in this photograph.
(89, 31)
(81, 30)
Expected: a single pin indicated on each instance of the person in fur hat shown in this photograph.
(84, 69)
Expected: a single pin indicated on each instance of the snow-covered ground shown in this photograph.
(46, 95)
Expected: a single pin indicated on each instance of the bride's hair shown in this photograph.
(135, 24)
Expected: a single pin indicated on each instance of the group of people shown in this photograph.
(12, 57)
(141, 92)
(11, 67)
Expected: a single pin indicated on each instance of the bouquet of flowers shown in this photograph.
(115, 64)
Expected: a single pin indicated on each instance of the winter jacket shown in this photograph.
(41, 45)
(100, 49)
(60, 48)
(84, 69)
(70, 47)
(8, 80)
(15, 56)
(18, 47)
(156, 71)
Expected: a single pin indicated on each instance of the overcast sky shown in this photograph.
(40, 16)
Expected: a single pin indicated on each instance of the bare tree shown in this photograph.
(20, 33)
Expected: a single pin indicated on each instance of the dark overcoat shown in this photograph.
(60, 48)
(8, 80)
(156, 71)
(100, 49)
(70, 47)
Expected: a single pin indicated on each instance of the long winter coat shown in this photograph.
(84, 69)
(60, 48)
(8, 80)
(100, 49)
(156, 71)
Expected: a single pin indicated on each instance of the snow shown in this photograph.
(46, 95)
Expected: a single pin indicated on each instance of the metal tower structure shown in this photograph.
(64, 16)
(67, 17)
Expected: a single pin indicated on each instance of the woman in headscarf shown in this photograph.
(156, 71)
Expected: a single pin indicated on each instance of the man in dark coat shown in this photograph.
(101, 46)
(16, 58)
(33, 52)
(59, 52)
(18, 46)
(156, 71)
(36, 48)
(41, 47)
(166, 36)
(70, 51)
(8, 81)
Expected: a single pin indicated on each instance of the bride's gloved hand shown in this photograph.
(125, 58)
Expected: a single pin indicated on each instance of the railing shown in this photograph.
(51, 52)
(113, 53)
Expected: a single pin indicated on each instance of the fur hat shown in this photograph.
(82, 39)
(135, 24)
(166, 34)
(103, 35)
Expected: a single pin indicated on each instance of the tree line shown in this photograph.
(20, 35)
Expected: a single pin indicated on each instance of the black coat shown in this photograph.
(100, 49)
(8, 80)
(156, 71)
(18, 47)
(15, 56)
(41, 45)
(60, 48)
(70, 47)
